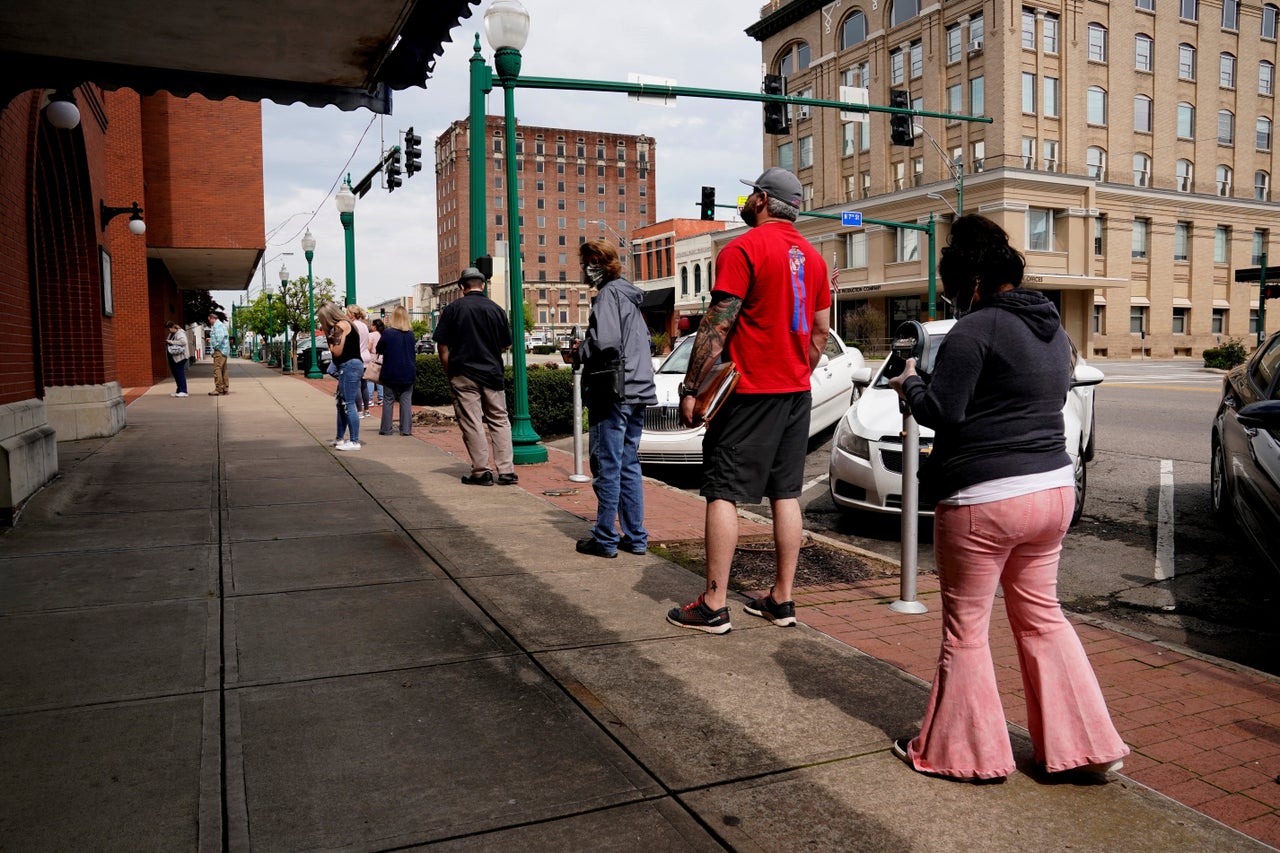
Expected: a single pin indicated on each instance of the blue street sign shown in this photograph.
(851, 218)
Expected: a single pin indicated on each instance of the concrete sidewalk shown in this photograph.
(221, 634)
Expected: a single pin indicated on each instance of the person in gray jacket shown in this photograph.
(616, 331)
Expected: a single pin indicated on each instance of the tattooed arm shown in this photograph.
(713, 332)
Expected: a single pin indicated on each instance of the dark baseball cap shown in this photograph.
(778, 183)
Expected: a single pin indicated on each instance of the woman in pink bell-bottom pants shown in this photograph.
(1014, 543)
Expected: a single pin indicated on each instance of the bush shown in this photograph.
(430, 386)
(1226, 356)
(550, 393)
(545, 349)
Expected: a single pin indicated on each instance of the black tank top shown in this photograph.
(350, 346)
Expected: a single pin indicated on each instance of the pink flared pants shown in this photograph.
(1014, 543)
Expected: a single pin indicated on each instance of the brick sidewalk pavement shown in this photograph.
(1203, 732)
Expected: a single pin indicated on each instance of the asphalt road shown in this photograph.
(1186, 580)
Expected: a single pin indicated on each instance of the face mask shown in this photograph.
(961, 303)
(595, 274)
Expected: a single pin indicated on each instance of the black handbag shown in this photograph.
(606, 378)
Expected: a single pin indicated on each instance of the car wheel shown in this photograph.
(1081, 476)
(1219, 491)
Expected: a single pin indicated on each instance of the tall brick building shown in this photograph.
(575, 185)
(1130, 157)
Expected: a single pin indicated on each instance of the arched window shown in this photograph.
(1226, 127)
(1186, 61)
(1266, 78)
(793, 59)
(1097, 43)
(854, 30)
(1143, 52)
(1096, 105)
(1222, 180)
(1141, 114)
(1261, 186)
(1183, 173)
(697, 279)
(1264, 133)
(684, 281)
(1186, 121)
(1096, 161)
(1270, 14)
(1141, 170)
(902, 11)
(1227, 70)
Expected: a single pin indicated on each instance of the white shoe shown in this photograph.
(334, 442)
(347, 445)
(178, 394)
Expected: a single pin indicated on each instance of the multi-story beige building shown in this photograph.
(574, 185)
(1130, 154)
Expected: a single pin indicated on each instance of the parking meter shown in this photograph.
(908, 342)
(575, 335)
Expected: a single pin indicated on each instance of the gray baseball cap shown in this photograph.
(780, 184)
(470, 273)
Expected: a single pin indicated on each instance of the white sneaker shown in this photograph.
(347, 445)
(178, 394)
(334, 442)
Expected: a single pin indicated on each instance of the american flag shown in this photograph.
(835, 274)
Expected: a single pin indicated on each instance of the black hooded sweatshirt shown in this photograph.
(995, 400)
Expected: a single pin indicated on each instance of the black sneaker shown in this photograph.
(700, 617)
(783, 614)
(594, 548)
(508, 479)
(625, 544)
(485, 479)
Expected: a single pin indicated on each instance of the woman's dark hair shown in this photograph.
(978, 250)
(379, 325)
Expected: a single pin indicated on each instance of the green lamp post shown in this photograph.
(309, 250)
(345, 199)
(271, 325)
(506, 25)
(286, 361)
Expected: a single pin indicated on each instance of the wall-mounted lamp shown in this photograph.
(62, 111)
(136, 225)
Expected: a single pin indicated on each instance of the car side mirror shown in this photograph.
(1264, 414)
(862, 376)
(1086, 375)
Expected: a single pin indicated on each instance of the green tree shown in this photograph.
(421, 328)
(197, 305)
(294, 303)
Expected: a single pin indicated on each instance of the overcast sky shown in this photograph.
(699, 43)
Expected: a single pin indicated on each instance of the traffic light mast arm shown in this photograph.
(366, 183)
(660, 91)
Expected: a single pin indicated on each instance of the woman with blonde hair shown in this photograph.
(344, 346)
(399, 369)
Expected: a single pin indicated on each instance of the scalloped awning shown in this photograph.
(321, 53)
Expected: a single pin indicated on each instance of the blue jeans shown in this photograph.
(614, 441)
(179, 370)
(350, 378)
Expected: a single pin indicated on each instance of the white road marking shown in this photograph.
(1164, 523)
(815, 481)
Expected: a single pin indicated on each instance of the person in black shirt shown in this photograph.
(471, 336)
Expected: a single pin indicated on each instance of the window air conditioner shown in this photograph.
(975, 46)
(802, 111)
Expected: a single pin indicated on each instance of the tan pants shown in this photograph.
(482, 415)
(220, 372)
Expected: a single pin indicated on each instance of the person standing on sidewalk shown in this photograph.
(176, 344)
(1000, 468)
(470, 336)
(220, 343)
(616, 329)
(356, 315)
(769, 315)
(399, 369)
(344, 346)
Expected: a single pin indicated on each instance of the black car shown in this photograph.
(1245, 466)
(425, 346)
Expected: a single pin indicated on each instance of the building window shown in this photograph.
(1096, 163)
(1222, 179)
(1028, 93)
(1221, 241)
(697, 279)
(1028, 152)
(1231, 14)
(1218, 325)
(1137, 319)
(1141, 114)
(1099, 235)
(1258, 247)
(854, 31)
(1270, 13)
(806, 152)
(1181, 240)
(903, 10)
(1097, 43)
(896, 73)
(899, 175)
(1099, 319)
(917, 59)
(955, 43)
(1261, 186)
(1096, 105)
(1180, 315)
(1141, 232)
(1264, 133)
(1028, 28)
(1039, 230)
(1226, 70)
(1049, 33)
(856, 250)
(1186, 62)
(976, 32)
(786, 159)
(907, 245)
(1266, 78)
(1051, 155)
(977, 96)
(684, 281)
(1253, 321)
(1189, 10)
(866, 184)
(1143, 49)
(977, 154)
(1145, 5)
(1183, 173)
(1226, 127)
(1051, 97)
(1186, 121)
(849, 132)
(864, 136)
(794, 58)
(955, 100)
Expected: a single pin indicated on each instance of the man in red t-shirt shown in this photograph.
(769, 315)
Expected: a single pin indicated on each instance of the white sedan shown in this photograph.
(866, 453)
(665, 442)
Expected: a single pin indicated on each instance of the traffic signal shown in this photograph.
(393, 170)
(708, 203)
(412, 153)
(382, 312)
(1271, 291)
(775, 114)
(900, 132)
